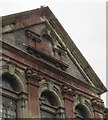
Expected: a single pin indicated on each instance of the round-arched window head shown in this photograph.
(49, 98)
(9, 82)
(81, 111)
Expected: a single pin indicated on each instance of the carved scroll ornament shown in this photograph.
(97, 102)
(33, 74)
(68, 90)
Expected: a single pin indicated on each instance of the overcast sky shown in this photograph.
(85, 22)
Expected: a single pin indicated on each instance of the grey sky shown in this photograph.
(85, 23)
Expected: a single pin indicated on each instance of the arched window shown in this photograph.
(81, 112)
(9, 97)
(49, 105)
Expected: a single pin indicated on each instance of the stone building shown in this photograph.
(44, 75)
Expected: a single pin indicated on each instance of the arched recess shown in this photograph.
(13, 91)
(83, 109)
(51, 101)
(10, 69)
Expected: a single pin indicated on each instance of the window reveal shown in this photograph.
(49, 105)
(81, 112)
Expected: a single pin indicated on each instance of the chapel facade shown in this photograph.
(44, 75)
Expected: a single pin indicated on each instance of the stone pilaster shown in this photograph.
(22, 104)
(33, 79)
(68, 94)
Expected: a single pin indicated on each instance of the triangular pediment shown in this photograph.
(72, 60)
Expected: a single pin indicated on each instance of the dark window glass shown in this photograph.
(49, 105)
(49, 98)
(9, 83)
(81, 112)
(8, 106)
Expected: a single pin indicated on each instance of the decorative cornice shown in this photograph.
(75, 54)
(50, 59)
(26, 60)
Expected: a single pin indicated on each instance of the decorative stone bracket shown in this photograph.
(30, 73)
(68, 90)
(97, 102)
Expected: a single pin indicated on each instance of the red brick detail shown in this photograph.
(33, 100)
(68, 94)
(68, 103)
(28, 22)
(33, 78)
